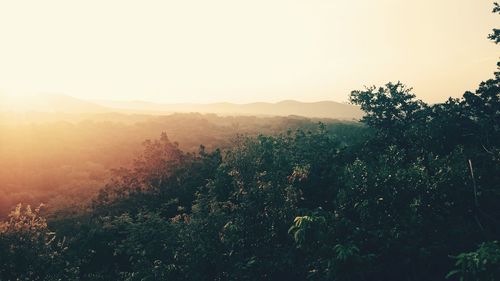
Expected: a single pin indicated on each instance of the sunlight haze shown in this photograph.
(243, 51)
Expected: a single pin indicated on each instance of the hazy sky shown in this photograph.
(242, 51)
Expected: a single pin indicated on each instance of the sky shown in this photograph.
(244, 51)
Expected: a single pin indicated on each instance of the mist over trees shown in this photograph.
(410, 195)
(63, 160)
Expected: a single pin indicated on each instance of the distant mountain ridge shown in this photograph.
(320, 109)
(48, 103)
(67, 104)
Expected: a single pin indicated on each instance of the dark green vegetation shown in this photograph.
(413, 195)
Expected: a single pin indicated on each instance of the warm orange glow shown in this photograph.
(12, 102)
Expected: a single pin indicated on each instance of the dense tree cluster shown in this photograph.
(413, 195)
(69, 156)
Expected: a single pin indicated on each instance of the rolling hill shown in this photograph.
(48, 103)
(58, 103)
(321, 109)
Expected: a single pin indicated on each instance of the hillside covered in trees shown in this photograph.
(64, 159)
(411, 194)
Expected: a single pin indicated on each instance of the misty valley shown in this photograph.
(63, 159)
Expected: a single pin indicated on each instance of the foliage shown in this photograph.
(30, 251)
(482, 264)
(391, 199)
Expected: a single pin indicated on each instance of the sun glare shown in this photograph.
(11, 102)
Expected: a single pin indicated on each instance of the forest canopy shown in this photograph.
(410, 194)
